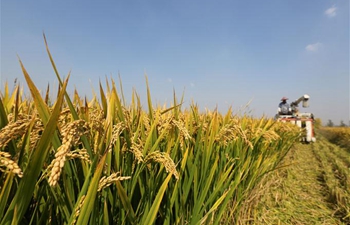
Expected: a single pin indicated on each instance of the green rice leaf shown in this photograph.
(3, 115)
(103, 100)
(90, 198)
(153, 211)
(69, 102)
(40, 105)
(126, 202)
(5, 192)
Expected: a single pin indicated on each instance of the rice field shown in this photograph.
(337, 135)
(101, 161)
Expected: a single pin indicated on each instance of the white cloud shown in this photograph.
(331, 12)
(313, 47)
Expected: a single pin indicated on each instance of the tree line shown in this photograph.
(341, 124)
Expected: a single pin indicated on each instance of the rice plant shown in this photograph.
(107, 162)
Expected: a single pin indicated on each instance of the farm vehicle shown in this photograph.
(303, 120)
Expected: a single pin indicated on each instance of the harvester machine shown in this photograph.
(303, 120)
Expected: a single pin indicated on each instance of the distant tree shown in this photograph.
(342, 124)
(330, 123)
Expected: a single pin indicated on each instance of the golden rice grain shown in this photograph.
(225, 135)
(79, 154)
(164, 159)
(107, 181)
(77, 210)
(71, 135)
(35, 133)
(116, 131)
(13, 130)
(136, 149)
(183, 130)
(10, 165)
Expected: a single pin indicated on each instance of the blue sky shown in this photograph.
(219, 53)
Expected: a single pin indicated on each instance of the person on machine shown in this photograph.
(284, 108)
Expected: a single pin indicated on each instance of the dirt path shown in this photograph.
(303, 190)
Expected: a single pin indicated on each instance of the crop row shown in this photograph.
(335, 176)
